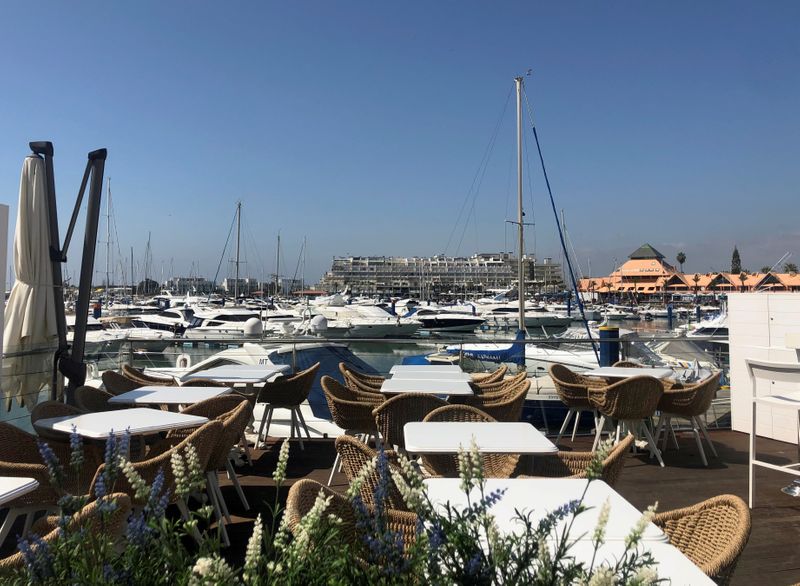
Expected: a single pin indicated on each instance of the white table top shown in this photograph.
(432, 387)
(12, 487)
(623, 372)
(491, 438)
(238, 373)
(139, 420)
(398, 368)
(161, 395)
(671, 564)
(420, 375)
(540, 496)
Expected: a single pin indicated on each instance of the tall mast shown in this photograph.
(520, 215)
(133, 281)
(108, 238)
(278, 265)
(238, 234)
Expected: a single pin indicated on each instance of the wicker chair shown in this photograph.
(490, 377)
(140, 376)
(303, 494)
(354, 455)
(506, 405)
(573, 390)
(359, 381)
(689, 403)
(20, 457)
(349, 411)
(629, 402)
(86, 519)
(494, 465)
(287, 393)
(91, 400)
(233, 424)
(204, 439)
(392, 415)
(575, 464)
(712, 533)
(627, 364)
(48, 409)
(498, 386)
(116, 384)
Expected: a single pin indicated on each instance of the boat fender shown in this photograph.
(92, 371)
(183, 361)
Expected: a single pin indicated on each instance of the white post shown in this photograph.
(520, 216)
(3, 265)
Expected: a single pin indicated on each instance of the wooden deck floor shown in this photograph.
(772, 556)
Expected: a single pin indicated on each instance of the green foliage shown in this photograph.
(736, 262)
(452, 544)
(790, 267)
(681, 258)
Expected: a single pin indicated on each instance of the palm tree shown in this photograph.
(790, 267)
(681, 258)
(766, 269)
(696, 280)
(743, 278)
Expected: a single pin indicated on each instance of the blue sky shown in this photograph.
(361, 125)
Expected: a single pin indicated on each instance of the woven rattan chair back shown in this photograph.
(303, 494)
(289, 391)
(509, 406)
(89, 519)
(712, 533)
(576, 464)
(355, 455)
(91, 399)
(204, 439)
(494, 465)
(47, 409)
(490, 377)
(140, 376)
(633, 398)
(690, 401)
(216, 408)
(357, 380)
(233, 425)
(116, 384)
(627, 364)
(570, 387)
(500, 385)
(349, 411)
(392, 415)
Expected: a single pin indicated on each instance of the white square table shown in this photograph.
(419, 375)
(540, 496)
(139, 420)
(441, 437)
(403, 368)
(243, 374)
(162, 395)
(671, 563)
(623, 372)
(12, 487)
(394, 386)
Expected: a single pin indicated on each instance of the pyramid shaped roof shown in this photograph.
(646, 251)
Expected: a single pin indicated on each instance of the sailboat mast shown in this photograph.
(520, 215)
(238, 238)
(278, 265)
(108, 238)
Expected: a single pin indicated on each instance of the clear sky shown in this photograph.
(362, 125)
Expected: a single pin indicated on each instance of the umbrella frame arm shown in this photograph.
(71, 363)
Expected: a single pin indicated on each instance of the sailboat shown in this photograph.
(514, 352)
(517, 351)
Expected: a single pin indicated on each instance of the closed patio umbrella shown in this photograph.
(30, 318)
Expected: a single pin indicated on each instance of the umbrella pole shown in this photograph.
(45, 149)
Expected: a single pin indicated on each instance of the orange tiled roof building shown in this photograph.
(647, 273)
